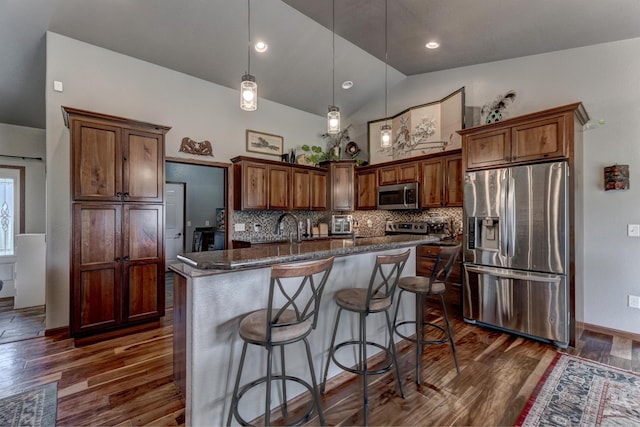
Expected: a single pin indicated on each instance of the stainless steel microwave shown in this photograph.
(399, 196)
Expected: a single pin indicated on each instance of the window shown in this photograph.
(9, 210)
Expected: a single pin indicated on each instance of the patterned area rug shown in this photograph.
(34, 407)
(580, 392)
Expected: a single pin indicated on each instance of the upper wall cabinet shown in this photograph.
(441, 181)
(532, 138)
(115, 160)
(397, 174)
(340, 186)
(271, 185)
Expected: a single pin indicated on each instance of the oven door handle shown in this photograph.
(404, 196)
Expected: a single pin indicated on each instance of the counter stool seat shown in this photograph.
(423, 287)
(376, 298)
(298, 289)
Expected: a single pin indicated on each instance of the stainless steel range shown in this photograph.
(432, 225)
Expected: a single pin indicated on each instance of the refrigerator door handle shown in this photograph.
(513, 274)
(511, 203)
(503, 219)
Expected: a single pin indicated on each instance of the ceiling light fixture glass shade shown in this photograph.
(333, 120)
(385, 136)
(248, 93)
(248, 87)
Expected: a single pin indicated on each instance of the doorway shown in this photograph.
(196, 200)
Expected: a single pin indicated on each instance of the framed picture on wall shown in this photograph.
(264, 143)
(419, 130)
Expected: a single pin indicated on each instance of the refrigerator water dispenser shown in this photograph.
(484, 233)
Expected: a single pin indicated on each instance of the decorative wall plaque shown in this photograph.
(202, 148)
(616, 177)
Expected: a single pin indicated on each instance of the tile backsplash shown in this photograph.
(261, 225)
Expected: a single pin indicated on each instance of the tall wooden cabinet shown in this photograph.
(117, 188)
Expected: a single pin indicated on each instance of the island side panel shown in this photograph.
(217, 303)
(180, 332)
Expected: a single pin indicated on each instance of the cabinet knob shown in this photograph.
(119, 194)
(126, 194)
(127, 258)
(117, 259)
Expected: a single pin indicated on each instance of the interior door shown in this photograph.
(174, 226)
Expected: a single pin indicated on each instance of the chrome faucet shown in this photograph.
(279, 222)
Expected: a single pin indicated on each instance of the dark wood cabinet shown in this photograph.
(526, 139)
(340, 185)
(441, 181)
(116, 163)
(367, 189)
(270, 185)
(318, 189)
(398, 173)
(117, 186)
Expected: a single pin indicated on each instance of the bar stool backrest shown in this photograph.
(444, 264)
(301, 296)
(385, 276)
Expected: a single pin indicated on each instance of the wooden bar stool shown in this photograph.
(376, 298)
(425, 287)
(300, 286)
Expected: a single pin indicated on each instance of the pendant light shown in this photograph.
(249, 87)
(385, 130)
(333, 116)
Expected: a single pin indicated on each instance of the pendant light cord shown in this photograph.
(386, 66)
(249, 35)
(333, 53)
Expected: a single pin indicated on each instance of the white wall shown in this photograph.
(100, 80)
(27, 142)
(605, 79)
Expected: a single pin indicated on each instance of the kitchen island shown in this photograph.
(214, 290)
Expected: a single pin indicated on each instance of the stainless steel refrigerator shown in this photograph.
(516, 250)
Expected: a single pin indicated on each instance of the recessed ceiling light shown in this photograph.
(433, 45)
(261, 47)
(347, 84)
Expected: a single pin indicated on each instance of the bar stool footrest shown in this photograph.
(415, 340)
(244, 389)
(388, 358)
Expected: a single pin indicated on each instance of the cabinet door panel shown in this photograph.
(431, 185)
(96, 162)
(95, 290)
(144, 297)
(99, 296)
(318, 190)
(488, 148)
(143, 166)
(279, 181)
(408, 172)
(387, 175)
(301, 185)
(539, 140)
(453, 182)
(367, 190)
(143, 261)
(253, 185)
(341, 185)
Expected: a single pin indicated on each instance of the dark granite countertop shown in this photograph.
(265, 255)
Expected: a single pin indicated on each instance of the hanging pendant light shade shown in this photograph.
(248, 93)
(333, 120)
(333, 116)
(248, 87)
(385, 136)
(385, 130)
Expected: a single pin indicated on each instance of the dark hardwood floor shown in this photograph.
(128, 380)
(20, 324)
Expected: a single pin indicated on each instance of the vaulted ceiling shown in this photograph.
(208, 39)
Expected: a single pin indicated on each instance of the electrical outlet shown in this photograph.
(634, 301)
(238, 227)
(206, 222)
(188, 223)
(257, 228)
(633, 230)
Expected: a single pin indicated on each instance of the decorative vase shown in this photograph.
(494, 116)
(335, 152)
